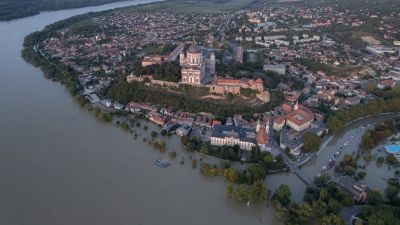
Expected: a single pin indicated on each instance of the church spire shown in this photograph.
(296, 107)
(258, 125)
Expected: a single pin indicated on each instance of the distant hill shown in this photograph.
(12, 9)
(195, 6)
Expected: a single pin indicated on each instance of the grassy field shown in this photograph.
(194, 6)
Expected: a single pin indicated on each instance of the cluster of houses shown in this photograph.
(122, 34)
(282, 18)
(248, 135)
(99, 55)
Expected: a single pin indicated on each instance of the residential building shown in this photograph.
(223, 135)
(356, 189)
(279, 68)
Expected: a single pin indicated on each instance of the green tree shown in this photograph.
(282, 195)
(268, 161)
(322, 180)
(242, 193)
(391, 159)
(380, 160)
(231, 175)
(172, 154)
(194, 163)
(154, 134)
(259, 192)
(382, 215)
(124, 126)
(334, 124)
(279, 209)
(255, 172)
(230, 189)
(320, 208)
(391, 192)
(331, 219)
(300, 213)
(374, 197)
(311, 142)
(204, 149)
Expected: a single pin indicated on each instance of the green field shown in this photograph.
(194, 6)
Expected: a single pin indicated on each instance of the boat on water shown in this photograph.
(163, 163)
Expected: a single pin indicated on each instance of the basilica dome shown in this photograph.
(194, 49)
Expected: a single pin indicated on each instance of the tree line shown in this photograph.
(21, 8)
(342, 117)
(373, 137)
(124, 92)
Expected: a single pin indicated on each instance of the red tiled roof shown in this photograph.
(387, 82)
(262, 137)
(280, 119)
(216, 122)
(286, 107)
(228, 81)
(300, 117)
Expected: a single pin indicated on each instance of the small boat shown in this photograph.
(163, 163)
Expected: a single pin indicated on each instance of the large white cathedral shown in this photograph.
(196, 69)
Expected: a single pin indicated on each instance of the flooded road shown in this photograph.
(349, 139)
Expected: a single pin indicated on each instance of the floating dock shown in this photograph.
(163, 163)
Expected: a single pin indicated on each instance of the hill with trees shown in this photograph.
(22, 8)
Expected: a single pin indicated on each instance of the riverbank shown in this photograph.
(20, 9)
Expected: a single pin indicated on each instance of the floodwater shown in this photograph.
(59, 165)
(377, 175)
